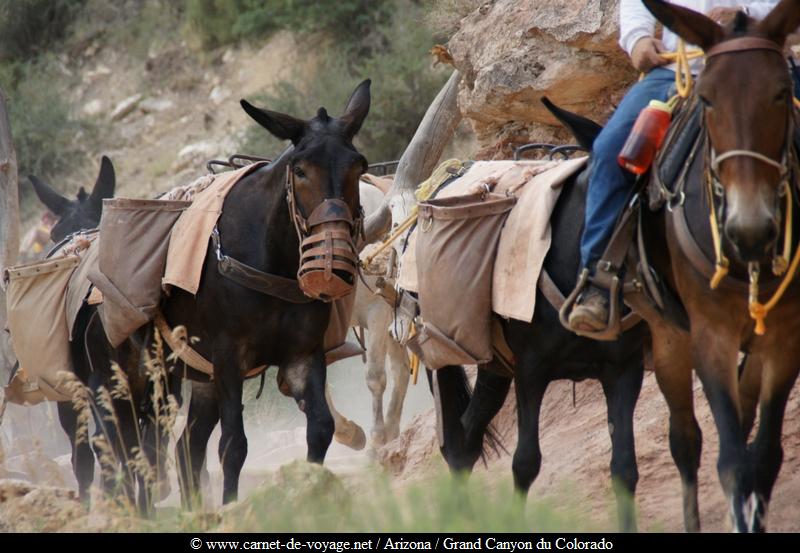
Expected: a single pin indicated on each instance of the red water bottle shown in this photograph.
(646, 137)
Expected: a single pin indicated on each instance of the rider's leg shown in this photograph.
(609, 186)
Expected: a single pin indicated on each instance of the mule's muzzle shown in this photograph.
(752, 242)
(328, 258)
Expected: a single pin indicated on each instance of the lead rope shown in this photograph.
(684, 81)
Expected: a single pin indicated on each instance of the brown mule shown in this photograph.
(747, 96)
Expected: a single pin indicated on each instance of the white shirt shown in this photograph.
(635, 21)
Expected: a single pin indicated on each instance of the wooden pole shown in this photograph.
(9, 227)
(422, 154)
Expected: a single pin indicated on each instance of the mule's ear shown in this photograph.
(585, 130)
(104, 185)
(691, 26)
(357, 109)
(782, 21)
(280, 125)
(54, 201)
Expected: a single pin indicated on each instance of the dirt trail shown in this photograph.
(576, 454)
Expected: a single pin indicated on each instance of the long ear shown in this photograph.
(691, 26)
(357, 109)
(782, 21)
(585, 130)
(104, 185)
(280, 125)
(54, 201)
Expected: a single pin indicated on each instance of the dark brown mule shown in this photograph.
(746, 92)
(297, 217)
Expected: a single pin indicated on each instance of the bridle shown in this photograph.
(327, 243)
(782, 263)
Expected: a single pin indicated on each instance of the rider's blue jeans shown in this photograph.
(609, 184)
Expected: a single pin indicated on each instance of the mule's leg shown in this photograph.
(673, 368)
(306, 380)
(377, 346)
(106, 442)
(488, 397)
(450, 389)
(129, 442)
(82, 456)
(233, 442)
(190, 451)
(766, 452)
(621, 388)
(346, 431)
(530, 388)
(749, 392)
(398, 365)
(714, 355)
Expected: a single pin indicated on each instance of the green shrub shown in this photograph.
(47, 139)
(219, 22)
(403, 85)
(28, 27)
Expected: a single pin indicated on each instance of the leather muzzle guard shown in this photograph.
(326, 245)
(328, 248)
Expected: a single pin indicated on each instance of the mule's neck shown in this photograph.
(281, 243)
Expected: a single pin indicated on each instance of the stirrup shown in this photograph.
(613, 328)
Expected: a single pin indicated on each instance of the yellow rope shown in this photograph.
(423, 192)
(413, 357)
(721, 263)
(759, 311)
(684, 82)
(781, 263)
(404, 226)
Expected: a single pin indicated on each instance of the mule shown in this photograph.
(544, 351)
(240, 328)
(91, 354)
(751, 170)
(372, 311)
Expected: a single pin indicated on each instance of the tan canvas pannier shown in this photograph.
(456, 246)
(134, 236)
(37, 320)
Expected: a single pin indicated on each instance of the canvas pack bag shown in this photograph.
(37, 321)
(134, 236)
(457, 241)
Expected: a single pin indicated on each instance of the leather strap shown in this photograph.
(676, 220)
(614, 256)
(743, 44)
(181, 348)
(287, 289)
(555, 298)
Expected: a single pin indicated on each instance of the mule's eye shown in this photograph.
(706, 102)
(298, 172)
(782, 97)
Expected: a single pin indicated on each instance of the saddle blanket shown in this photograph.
(188, 247)
(525, 239)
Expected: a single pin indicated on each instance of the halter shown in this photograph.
(786, 166)
(327, 244)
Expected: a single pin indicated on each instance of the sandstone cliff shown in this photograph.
(513, 52)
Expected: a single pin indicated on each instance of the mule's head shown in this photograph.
(84, 211)
(323, 180)
(746, 91)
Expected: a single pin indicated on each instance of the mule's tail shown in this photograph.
(456, 391)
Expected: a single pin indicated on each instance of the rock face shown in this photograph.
(513, 52)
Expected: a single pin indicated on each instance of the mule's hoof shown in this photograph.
(351, 435)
